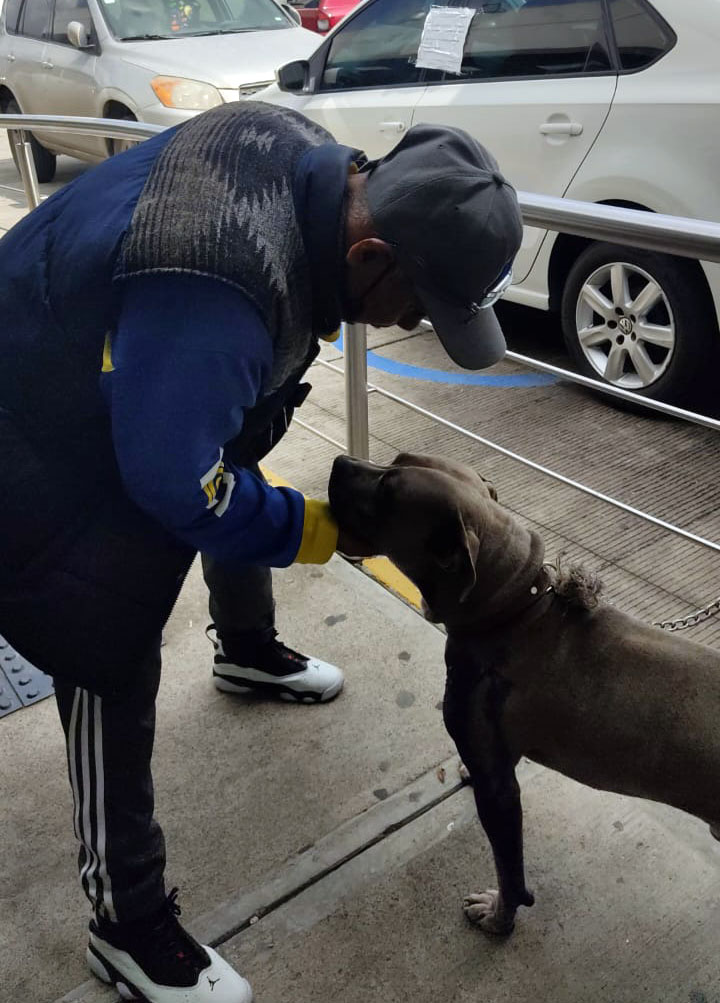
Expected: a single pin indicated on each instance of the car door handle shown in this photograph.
(10, 57)
(561, 128)
(47, 65)
(392, 127)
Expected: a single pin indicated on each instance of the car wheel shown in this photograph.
(121, 145)
(45, 161)
(643, 322)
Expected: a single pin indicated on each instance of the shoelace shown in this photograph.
(282, 649)
(171, 940)
(290, 653)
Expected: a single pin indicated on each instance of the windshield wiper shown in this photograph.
(221, 31)
(143, 38)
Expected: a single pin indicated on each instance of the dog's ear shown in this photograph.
(454, 546)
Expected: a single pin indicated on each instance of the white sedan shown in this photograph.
(608, 101)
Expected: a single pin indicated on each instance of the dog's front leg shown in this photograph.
(497, 798)
(473, 716)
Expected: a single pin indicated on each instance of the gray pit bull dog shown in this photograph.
(537, 666)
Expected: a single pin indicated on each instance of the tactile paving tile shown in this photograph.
(21, 683)
(9, 700)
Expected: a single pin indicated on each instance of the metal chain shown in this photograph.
(692, 619)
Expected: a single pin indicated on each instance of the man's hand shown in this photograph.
(350, 546)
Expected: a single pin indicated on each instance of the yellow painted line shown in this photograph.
(384, 571)
(379, 568)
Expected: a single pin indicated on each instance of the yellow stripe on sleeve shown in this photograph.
(107, 366)
(320, 533)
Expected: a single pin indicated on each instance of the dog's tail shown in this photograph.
(576, 585)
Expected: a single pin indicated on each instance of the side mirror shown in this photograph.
(294, 76)
(292, 13)
(78, 36)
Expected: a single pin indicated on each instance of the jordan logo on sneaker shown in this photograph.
(213, 983)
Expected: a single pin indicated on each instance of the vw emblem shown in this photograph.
(625, 325)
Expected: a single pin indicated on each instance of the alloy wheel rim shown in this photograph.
(625, 325)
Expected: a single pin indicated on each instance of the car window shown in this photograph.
(35, 19)
(12, 10)
(257, 13)
(67, 11)
(640, 35)
(130, 19)
(534, 38)
(377, 47)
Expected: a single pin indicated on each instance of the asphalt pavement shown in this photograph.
(327, 849)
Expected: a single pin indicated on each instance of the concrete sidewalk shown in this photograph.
(327, 848)
(242, 786)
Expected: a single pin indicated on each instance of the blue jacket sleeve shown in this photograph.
(189, 356)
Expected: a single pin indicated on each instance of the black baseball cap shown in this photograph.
(454, 222)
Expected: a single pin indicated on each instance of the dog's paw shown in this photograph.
(464, 772)
(484, 910)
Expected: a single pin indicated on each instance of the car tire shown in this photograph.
(642, 321)
(121, 145)
(45, 161)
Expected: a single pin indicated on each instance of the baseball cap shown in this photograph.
(455, 225)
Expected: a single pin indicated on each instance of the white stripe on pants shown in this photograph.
(85, 758)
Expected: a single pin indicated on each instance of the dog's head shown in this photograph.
(439, 522)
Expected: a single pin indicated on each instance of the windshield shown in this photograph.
(150, 19)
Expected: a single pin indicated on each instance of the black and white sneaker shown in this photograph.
(157, 961)
(270, 668)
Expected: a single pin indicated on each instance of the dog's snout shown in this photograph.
(339, 475)
(344, 469)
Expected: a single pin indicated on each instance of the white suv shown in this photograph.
(608, 101)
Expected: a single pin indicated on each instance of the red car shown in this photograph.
(322, 15)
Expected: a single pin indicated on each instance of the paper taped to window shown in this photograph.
(443, 38)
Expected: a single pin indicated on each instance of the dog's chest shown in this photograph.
(475, 683)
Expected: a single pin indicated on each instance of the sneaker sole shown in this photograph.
(247, 687)
(103, 970)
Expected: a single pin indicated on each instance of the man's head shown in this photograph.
(432, 229)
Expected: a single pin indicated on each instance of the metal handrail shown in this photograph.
(18, 125)
(607, 388)
(672, 410)
(113, 128)
(653, 231)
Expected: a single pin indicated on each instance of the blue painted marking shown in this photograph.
(466, 379)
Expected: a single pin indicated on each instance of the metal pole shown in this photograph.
(356, 402)
(26, 165)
